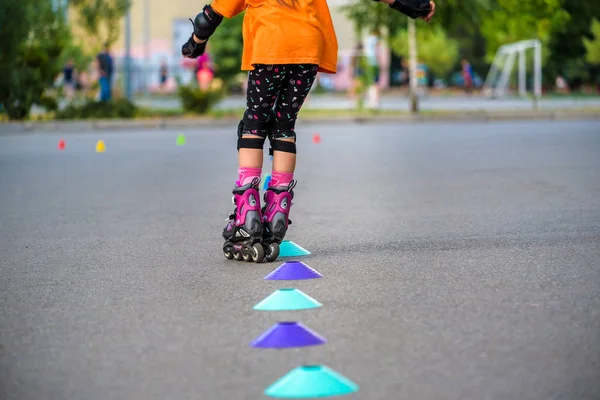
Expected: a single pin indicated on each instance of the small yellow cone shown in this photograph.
(100, 146)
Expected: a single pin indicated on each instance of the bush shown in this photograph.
(121, 108)
(198, 101)
(49, 103)
(34, 36)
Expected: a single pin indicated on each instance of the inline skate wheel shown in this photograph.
(272, 252)
(238, 256)
(247, 256)
(227, 251)
(258, 253)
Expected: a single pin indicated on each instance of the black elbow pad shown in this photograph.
(206, 23)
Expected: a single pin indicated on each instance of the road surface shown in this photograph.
(460, 261)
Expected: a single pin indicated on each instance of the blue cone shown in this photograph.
(291, 249)
(311, 381)
(293, 271)
(285, 335)
(266, 182)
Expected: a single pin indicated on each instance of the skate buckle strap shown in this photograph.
(292, 185)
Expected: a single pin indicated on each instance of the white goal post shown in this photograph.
(504, 60)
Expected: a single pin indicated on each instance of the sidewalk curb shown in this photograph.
(182, 123)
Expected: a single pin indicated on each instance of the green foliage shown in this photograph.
(101, 20)
(592, 47)
(480, 27)
(368, 15)
(198, 101)
(33, 39)
(512, 20)
(434, 48)
(566, 43)
(81, 58)
(120, 108)
(225, 46)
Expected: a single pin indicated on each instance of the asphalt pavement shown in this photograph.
(460, 261)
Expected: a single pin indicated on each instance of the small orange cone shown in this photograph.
(316, 138)
(61, 144)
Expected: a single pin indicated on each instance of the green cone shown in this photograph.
(287, 300)
(180, 140)
(311, 381)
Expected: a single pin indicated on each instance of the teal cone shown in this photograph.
(311, 381)
(291, 249)
(287, 300)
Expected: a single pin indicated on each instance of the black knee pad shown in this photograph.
(253, 127)
(281, 130)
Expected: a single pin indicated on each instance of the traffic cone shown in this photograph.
(316, 138)
(293, 271)
(290, 249)
(100, 147)
(311, 381)
(266, 182)
(180, 140)
(61, 144)
(287, 300)
(285, 335)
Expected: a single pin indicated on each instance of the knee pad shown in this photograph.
(279, 130)
(252, 127)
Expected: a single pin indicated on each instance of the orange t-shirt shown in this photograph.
(275, 34)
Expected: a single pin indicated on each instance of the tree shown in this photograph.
(34, 37)
(509, 21)
(592, 47)
(566, 44)
(434, 48)
(225, 46)
(101, 20)
(368, 15)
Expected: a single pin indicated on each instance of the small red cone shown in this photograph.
(61, 144)
(317, 138)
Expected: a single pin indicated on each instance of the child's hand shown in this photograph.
(428, 16)
(193, 48)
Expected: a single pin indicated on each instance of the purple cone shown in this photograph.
(293, 271)
(288, 334)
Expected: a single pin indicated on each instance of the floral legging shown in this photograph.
(277, 92)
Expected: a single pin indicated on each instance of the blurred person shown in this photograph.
(357, 66)
(467, 73)
(69, 81)
(561, 85)
(105, 71)
(286, 42)
(163, 75)
(205, 71)
(372, 57)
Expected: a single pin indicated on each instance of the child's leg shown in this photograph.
(262, 91)
(299, 80)
(278, 198)
(244, 229)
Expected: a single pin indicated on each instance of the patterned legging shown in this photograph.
(278, 92)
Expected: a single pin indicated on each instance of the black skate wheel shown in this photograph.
(259, 253)
(238, 256)
(247, 256)
(272, 252)
(227, 251)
